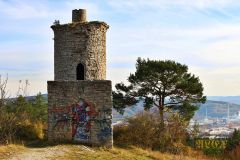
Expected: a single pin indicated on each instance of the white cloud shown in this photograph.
(37, 81)
(181, 30)
(117, 75)
(201, 4)
(211, 52)
(89, 6)
(18, 9)
(215, 44)
(219, 81)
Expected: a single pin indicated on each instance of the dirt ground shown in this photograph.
(46, 153)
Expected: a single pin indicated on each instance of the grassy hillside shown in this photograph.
(77, 152)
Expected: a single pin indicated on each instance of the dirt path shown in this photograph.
(40, 153)
(50, 153)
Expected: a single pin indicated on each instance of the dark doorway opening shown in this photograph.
(80, 72)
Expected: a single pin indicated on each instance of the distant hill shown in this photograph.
(230, 99)
(217, 109)
(214, 109)
(129, 112)
(29, 98)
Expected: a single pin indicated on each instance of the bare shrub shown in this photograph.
(139, 131)
(144, 131)
(7, 120)
(3, 92)
(8, 123)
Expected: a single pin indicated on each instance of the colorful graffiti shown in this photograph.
(210, 143)
(78, 116)
(79, 119)
(82, 115)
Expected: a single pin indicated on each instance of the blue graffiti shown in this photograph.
(104, 134)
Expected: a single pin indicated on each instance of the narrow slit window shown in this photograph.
(80, 72)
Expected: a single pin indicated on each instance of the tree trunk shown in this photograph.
(161, 117)
(160, 107)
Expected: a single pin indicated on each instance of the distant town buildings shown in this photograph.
(214, 127)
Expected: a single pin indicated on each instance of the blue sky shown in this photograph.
(203, 34)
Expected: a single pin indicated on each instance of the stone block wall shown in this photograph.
(80, 42)
(80, 111)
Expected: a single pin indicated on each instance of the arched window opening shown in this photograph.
(80, 72)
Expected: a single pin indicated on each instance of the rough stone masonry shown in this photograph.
(79, 98)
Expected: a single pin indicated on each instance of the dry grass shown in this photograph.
(77, 152)
(7, 151)
(234, 154)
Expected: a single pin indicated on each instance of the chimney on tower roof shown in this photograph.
(79, 15)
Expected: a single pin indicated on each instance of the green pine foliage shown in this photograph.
(22, 119)
(164, 84)
(39, 109)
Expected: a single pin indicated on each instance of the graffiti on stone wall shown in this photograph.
(81, 116)
(78, 116)
(104, 134)
(61, 118)
(104, 122)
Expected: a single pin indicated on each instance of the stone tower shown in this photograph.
(79, 98)
(80, 49)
